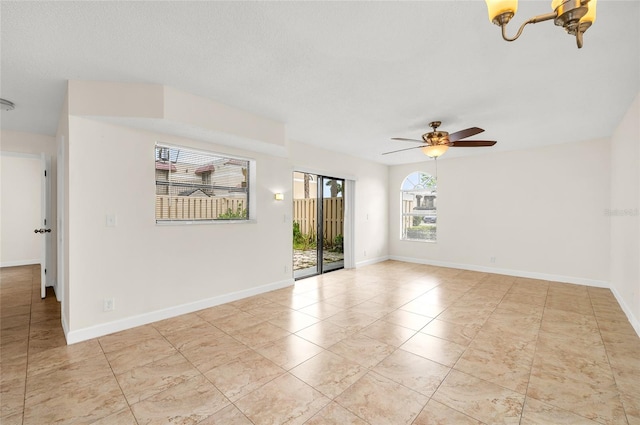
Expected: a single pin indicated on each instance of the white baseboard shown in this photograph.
(632, 319)
(15, 263)
(508, 272)
(102, 329)
(372, 261)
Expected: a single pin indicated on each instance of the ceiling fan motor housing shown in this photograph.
(434, 138)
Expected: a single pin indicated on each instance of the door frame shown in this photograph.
(348, 212)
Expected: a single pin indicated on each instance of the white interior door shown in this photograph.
(45, 229)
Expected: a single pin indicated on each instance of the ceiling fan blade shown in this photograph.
(473, 143)
(406, 149)
(462, 134)
(407, 140)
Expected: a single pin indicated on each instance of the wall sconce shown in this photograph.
(575, 16)
(279, 196)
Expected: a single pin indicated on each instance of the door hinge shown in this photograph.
(45, 221)
(45, 173)
(45, 271)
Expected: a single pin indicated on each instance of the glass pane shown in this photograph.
(419, 208)
(333, 224)
(305, 243)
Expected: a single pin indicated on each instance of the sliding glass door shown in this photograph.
(318, 224)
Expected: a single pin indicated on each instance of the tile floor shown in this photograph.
(391, 343)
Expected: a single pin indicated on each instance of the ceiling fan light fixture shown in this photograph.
(575, 16)
(435, 151)
(501, 11)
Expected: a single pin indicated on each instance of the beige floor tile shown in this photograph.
(505, 368)
(329, 373)
(269, 311)
(260, 334)
(293, 321)
(586, 366)
(123, 417)
(334, 414)
(379, 400)
(230, 415)
(412, 371)
(460, 334)
(435, 413)
(351, 321)
(388, 333)
(407, 319)
(60, 357)
(598, 403)
(434, 348)
(141, 354)
(13, 419)
(482, 400)
(66, 378)
(236, 322)
(213, 353)
(363, 350)
(186, 403)
(145, 381)
(246, 373)
(218, 312)
(289, 351)
(12, 396)
(127, 338)
(324, 334)
(84, 405)
(178, 323)
(321, 310)
(539, 413)
(285, 400)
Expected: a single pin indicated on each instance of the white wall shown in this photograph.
(35, 144)
(20, 209)
(371, 202)
(624, 209)
(156, 271)
(539, 212)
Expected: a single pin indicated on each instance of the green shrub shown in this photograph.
(422, 232)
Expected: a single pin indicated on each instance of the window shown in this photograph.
(418, 206)
(195, 186)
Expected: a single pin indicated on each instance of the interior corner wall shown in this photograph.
(32, 143)
(158, 271)
(624, 213)
(371, 200)
(538, 213)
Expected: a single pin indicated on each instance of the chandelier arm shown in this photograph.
(534, 20)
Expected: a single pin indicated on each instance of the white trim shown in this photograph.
(167, 313)
(508, 272)
(349, 223)
(325, 173)
(21, 154)
(635, 322)
(15, 263)
(372, 261)
(65, 327)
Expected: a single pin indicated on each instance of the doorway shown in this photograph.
(318, 224)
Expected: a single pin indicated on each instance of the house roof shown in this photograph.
(209, 168)
(344, 76)
(161, 165)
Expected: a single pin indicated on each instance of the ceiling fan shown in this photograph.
(436, 143)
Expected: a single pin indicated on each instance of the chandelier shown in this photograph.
(575, 16)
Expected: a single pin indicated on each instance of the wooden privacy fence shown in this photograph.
(305, 213)
(195, 208)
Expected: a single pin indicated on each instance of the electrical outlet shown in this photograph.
(286, 268)
(492, 259)
(109, 304)
(365, 252)
(111, 220)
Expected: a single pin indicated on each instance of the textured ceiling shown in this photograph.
(344, 75)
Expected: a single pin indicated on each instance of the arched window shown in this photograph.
(418, 206)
